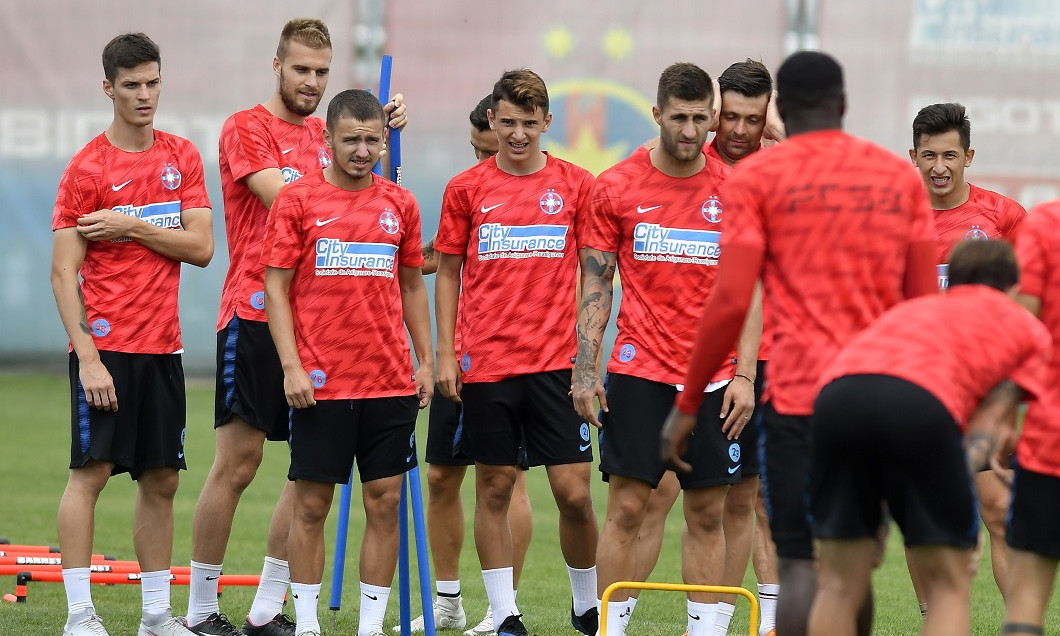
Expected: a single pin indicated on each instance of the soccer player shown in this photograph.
(131, 207)
(1032, 532)
(941, 151)
(261, 150)
(657, 216)
(447, 466)
(746, 116)
(343, 255)
(507, 240)
(889, 426)
(838, 229)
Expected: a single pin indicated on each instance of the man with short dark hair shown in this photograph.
(507, 240)
(873, 224)
(262, 149)
(911, 376)
(131, 207)
(341, 245)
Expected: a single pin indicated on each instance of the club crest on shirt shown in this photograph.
(712, 210)
(171, 177)
(551, 202)
(389, 221)
(323, 157)
(976, 234)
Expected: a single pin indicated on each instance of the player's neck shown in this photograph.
(959, 196)
(277, 108)
(130, 138)
(341, 180)
(522, 166)
(665, 163)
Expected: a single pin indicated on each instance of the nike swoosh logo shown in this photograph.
(180, 455)
(211, 578)
(642, 210)
(286, 151)
(492, 207)
(374, 598)
(695, 618)
(118, 186)
(323, 223)
(584, 446)
(408, 459)
(735, 468)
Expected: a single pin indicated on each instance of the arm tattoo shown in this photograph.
(593, 314)
(84, 314)
(429, 254)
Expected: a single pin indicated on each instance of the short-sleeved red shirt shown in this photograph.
(517, 236)
(1038, 248)
(131, 291)
(251, 141)
(834, 217)
(985, 215)
(957, 346)
(345, 247)
(666, 232)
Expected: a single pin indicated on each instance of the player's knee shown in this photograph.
(160, 483)
(575, 503)
(381, 507)
(444, 482)
(311, 509)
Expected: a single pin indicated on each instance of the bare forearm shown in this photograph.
(416, 312)
(598, 271)
(750, 337)
(194, 247)
(446, 299)
(71, 306)
(281, 322)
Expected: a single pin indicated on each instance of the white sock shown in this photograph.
(583, 588)
(373, 608)
(501, 594)
(631, 604)
(448, 588)
(268, 599)
(616, 621)
(721, 624)
(701, 617)
(767, 600)
(155, 589)
(77, 582)
(305, 606)
(202, 592)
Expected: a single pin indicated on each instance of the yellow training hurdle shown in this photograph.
(678, 587)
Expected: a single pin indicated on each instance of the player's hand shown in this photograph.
(999, 462)
(774, 124)
(424, 384)
(395, 109)
(449, 377)
(674, 439)
(737, 405)
(98, 385)
(715, 109)
(298, 388)
(104, 225)
(585, 387)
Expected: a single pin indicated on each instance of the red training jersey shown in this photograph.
(834, 217)
(130, 291)
(666, 232)
(253, 140)
(517, 236)
(985, 215)
(1038, 248)
(957, 346)
(345, 247)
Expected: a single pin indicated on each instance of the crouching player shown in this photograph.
(342, 256)
(908, 411)
(1033, 529)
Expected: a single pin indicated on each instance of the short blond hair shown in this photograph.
(310, 32)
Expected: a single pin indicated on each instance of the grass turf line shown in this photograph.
(34, 453)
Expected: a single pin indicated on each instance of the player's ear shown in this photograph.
(277, 64)
(548, 122)
(327, 139)
(657, 114)
(489, 117)
(108, 88)
(968, 157)
(912, 155)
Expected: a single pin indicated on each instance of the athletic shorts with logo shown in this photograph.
(147, 430)
(749, 436)
(530, 414)
(380, 433)
(444, 432)
(250, 379)
(629, 440)
(1033, 524)
(877, 440)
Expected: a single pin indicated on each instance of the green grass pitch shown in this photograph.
(34, 453)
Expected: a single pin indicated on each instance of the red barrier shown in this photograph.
(113, 578)
(49, 555)
(117, 567)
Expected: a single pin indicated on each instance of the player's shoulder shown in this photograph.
(637, 163)
(570, 171)
(1045, 210)
(993, 201)
(391, 189)
(476, 174)
(176, 143)
(90, 157)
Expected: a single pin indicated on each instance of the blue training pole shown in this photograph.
(422, 557)
(339, 566)
(385, 67)
(404, 609)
